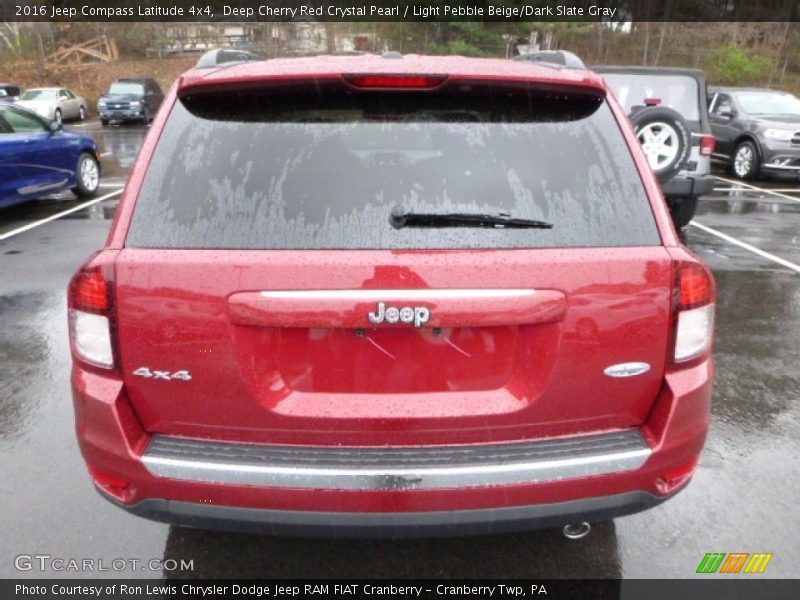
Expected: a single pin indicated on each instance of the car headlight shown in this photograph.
(135, 104)
(781, 135)
(101, 104)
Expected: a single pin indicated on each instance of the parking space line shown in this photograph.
(758, 189)
(738, 189)
(732, 240)
(35, 224)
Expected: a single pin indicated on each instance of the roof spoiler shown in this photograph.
(222, 56)
(559, 58)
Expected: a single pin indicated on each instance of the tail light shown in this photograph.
(694, 311)
(652, 101)
(708, 143)
(391, 81)
(91, 313)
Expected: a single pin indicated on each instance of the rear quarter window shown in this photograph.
(257, 171)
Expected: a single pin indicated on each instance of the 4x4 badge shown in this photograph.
(148, 374)
(419, 315)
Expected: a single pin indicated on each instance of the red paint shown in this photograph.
(297, 372)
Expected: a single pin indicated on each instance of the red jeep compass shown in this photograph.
(391, 296)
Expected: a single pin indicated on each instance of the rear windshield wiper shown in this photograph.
(399, 218)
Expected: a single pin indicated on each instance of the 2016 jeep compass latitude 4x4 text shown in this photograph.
(391, 296)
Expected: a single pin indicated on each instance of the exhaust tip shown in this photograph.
(576, 531)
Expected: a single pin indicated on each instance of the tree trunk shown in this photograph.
(664, 28)
(330, 37)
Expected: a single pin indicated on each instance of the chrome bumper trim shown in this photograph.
(414, 468)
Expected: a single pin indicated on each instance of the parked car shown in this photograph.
(391, 296)
(9, 92)
(37, 157)
(757, 130)
(55, 104)
(131, 99)
(668, 110)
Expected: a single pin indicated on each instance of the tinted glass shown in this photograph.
(126, 88)
(722, 104)
(291, 173)
(678, 92)
(21, 122)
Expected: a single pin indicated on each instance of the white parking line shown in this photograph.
(102, 154)
(35, 224)
(758, 189)
(111, 184)
(732, 240)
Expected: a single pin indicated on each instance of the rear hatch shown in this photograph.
(683, 90)
(266, 295)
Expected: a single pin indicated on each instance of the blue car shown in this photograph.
(37, 157)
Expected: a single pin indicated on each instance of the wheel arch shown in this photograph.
(747, 137)
(87, 148)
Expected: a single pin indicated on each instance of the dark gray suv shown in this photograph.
(757, 130)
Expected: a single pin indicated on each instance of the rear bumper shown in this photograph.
(395, 492)
(427, 468)
(391, 524)
(682, 186)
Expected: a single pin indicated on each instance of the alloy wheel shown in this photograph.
(660, 143)
(743, 161)
(90, 175)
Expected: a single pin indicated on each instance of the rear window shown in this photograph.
(324, 171)
(678, 92)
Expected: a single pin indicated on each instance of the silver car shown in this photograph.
(56, 104)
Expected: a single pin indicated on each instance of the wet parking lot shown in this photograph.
(744, 497)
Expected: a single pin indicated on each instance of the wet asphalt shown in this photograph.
(744, 497)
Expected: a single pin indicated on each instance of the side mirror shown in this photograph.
(55, 126)
(727, 114)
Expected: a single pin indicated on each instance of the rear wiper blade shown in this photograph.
(399, 218)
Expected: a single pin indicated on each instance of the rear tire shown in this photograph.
(82, 113)
(57, 116)
(682, 210)
(104, 122)
(746, 163)
(665, 139)
(87, 174)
